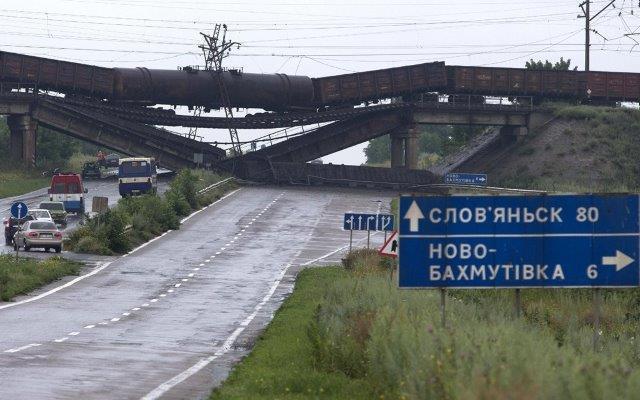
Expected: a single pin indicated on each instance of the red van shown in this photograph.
(68, 188)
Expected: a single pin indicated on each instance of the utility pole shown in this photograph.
(587, 30)
(215, 49)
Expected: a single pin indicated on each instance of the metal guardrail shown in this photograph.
(215, 185)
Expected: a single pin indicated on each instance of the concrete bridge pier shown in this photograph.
(404, 149)
(22, 138)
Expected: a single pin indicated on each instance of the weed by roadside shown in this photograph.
(24, 275)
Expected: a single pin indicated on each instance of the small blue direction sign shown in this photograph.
(458, 178)
(19, 210)
(368, 222)
(519, 241)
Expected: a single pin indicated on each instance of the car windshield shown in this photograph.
(42, 225)
(53, 206)
(40, 214)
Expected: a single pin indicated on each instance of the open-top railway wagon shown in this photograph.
(379, 84)
(59, 76)
(593, 85)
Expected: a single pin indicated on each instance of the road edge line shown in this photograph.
(104, 265)
(169, 384)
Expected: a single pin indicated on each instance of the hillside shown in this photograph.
(586, 148)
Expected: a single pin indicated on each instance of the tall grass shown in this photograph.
(20, 276)
(368, 329)
(14, 182)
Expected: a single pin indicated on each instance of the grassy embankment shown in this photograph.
(24, 275)
(136, 220)
(347, 334)
(15, 182)
(592, 148)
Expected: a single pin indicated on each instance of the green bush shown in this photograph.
(184, 183)
(178, 203)
(136, 220)
(91, 245)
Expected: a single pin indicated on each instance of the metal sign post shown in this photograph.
(443, 297)
(368, 238)
(350, 239)
(597, 299)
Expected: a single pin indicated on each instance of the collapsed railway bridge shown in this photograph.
(111, 107)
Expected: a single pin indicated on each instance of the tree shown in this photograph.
(561, 65)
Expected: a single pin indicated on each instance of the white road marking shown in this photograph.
(196, 269)
(103, 266)
(202, 209)
(226, 346)
(154, 300)
(218, 253)
(89, 327)
(191, 275)
(17, 349)
(202, 265)
(145, 305)
(116, 319)
(107, 264)
(52, 291)
(103, 323)
(163, 295)
(177, 284)
(143, 245)
(73, 333)
(126, 314)
(185, 279)
(170, 291)
(135, 309)
(222, 248)
(61, 339)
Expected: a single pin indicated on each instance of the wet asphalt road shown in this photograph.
(170, 319)
(102, 188)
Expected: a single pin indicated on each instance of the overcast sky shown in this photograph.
(321, 37)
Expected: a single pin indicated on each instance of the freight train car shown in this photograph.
(59, 76)
(379, 84)
(595, 86)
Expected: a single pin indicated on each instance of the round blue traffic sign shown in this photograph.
(19, 210)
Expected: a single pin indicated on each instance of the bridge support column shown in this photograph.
(397, 150)
(517, 131)
(411, 149)
(22, 139)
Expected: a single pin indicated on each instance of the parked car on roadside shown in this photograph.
(56, 208)
(40, 214)
(38, 234)
(11, 226)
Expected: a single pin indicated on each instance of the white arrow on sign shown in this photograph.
(620, 260)
(414, 215)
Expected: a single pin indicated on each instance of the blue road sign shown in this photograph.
(368, 222)
(519, 241)
(466, 179)
(19, 210)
